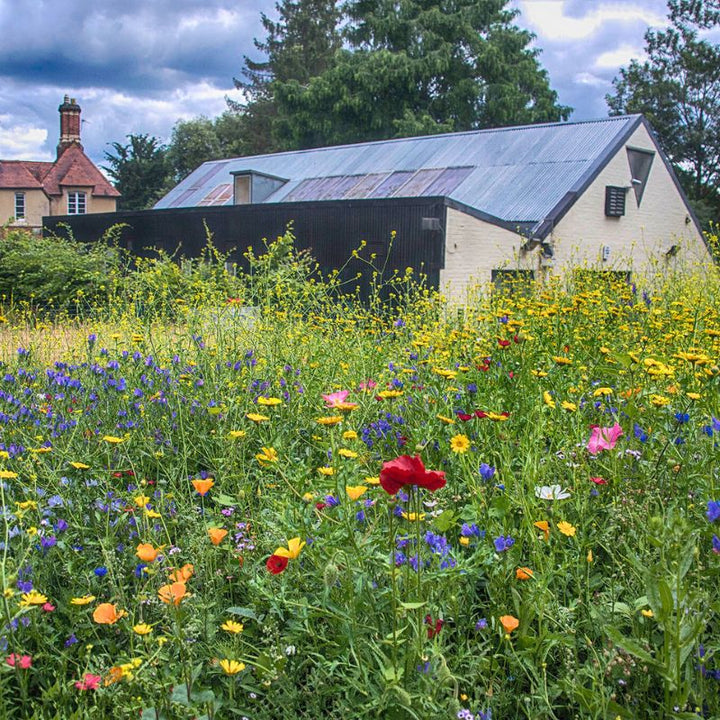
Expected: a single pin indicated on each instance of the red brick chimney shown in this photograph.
(69, 125)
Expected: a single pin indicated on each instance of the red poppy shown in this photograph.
(480, 414)
(464, 416)
(406, 470)
(598, 480)
(503, 343)
(276, 564)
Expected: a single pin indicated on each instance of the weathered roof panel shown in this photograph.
(516, 174)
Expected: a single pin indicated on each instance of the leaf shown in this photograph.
(223, 499)
(180, 695)
(242, 612)
(445, 520)
(412, 605)
(630, 646)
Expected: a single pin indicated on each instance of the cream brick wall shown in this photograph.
(638, 240)
(473, 249)
(37, 204)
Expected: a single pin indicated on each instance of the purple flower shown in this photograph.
(503, 543)
(71, 640)
(716, 544)
(486, 471)
(481, 624)
(713, 510)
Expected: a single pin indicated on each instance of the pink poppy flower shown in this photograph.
(406, 470)
(603, 438)
(89, 682)
(368, 385)
(23, 661)
(48, 607)
(336, 398)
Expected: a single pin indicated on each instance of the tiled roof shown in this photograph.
(72, 168)
(17, 174)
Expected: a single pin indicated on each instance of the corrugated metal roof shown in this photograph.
(516, 174)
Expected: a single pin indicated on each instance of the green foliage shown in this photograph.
(55, 273)
(196, 141)
(299, 45)
(419, 67)
(678, 89)
(139, 171)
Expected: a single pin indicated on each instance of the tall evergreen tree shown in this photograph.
(299, 45)
(420, 66)
(139, 171)
(678, 89)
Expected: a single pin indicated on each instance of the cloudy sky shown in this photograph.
(139, 66)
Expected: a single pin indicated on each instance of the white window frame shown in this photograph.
(77, 203)
(19, 205)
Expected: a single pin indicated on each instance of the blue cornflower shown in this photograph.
(471, 530)
(713, 510)
(486, 471)
(503, 543)
(639, 433)
(682, 418)
(139, 570)
(360, 516)
(716, 544)
(100, 571)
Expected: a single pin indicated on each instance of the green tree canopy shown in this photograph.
(139, 171)
(299, 45)
(419, 66)
(196, 141)
(678, 89)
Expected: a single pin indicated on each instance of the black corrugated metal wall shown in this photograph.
(330, 230)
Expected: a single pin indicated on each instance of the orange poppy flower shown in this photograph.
(107, 614)
(203, 486)
(173, 594)
(183, 574)
(509, 622)
(147, 553)
(544, 526)
(524, 573)
(217, 535)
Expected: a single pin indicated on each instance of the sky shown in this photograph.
(140, 66)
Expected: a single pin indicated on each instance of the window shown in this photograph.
(614, 201)
(640, 163)
(76, 203)
(19, 206)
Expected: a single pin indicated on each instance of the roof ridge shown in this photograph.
(461, 133)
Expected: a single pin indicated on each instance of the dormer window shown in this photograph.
(250, 186)
(76, 203)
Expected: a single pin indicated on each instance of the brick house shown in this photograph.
(71, 185)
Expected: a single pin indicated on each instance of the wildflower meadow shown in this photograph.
(399, 509)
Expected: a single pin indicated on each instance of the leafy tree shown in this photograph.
(300, 45)
(419, 66)
(678, 89)
(139, 171)
(196, 141)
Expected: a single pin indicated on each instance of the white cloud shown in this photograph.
(586, 78)
(22, 142)
(548, 19)
(620, 56)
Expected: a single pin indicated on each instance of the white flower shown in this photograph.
(551, 492)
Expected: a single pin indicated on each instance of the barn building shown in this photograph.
(465, 207)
